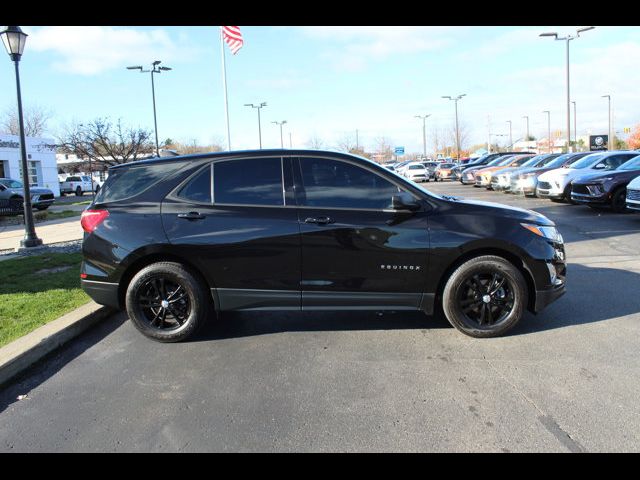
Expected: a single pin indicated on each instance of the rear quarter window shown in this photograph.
(128, 182)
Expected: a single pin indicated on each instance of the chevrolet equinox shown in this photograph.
(174, 240)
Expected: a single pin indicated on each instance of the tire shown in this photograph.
(42, 207)
(176, 320)
(619, 200)
(78, 192)
(567, 195)
(467, 311)
(97, 189)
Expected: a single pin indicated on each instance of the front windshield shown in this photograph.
(416, 167)
(11, 183)
(633, 164)
(586, 161)
(558, 161)
(446, 165)
(504, 161)
(534, 161)
(521, 161)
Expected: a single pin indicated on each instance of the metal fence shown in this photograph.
(11, 206)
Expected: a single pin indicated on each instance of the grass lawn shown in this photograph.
(35, 290)
(47, 215)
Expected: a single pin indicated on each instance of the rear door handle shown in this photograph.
(319, 220)
(191, 216)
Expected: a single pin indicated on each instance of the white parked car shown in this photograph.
(416, 171)
(556, 184)
(633, 194)
(78, 184)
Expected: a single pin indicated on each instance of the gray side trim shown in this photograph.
(253, 299)
(360, 300)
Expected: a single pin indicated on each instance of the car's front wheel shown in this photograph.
(485, 296)
(166, 302)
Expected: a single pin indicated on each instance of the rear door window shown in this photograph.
(128, 182)
(248, 181)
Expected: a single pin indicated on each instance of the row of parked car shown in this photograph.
(603, 179)
(424, 171)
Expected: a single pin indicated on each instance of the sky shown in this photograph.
(328, 82)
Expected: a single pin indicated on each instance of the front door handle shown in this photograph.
(191, 216)
(319, 220)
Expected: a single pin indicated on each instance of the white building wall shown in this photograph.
(40, 151)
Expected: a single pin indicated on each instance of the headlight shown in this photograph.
(551, 233)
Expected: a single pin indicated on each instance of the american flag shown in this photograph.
(233, 37)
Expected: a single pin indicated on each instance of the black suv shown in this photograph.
(174, 239)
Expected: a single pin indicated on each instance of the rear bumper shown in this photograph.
(104, 293)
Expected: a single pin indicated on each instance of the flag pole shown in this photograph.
(224, 84)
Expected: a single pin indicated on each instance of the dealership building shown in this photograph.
(41, 161)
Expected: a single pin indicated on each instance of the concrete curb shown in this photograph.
(25, 351)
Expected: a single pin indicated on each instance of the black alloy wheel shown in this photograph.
(167, 302)
(164, 303)
(485, 296)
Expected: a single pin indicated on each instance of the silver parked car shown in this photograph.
(41, 198)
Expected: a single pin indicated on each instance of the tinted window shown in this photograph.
(416, 167)
(631, 164)
(198, 189)
(332, 183)
(12, 183)
(73, 179)
(613, 162)
(586, 161)
(250, 181)
(127, 182)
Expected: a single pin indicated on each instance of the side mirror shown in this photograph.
(2, 188)
(600, 166)
(404, 201)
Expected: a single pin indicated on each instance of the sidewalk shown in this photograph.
(53, 231)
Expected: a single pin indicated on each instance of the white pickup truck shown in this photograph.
(78, 184)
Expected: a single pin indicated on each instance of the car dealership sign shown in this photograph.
(598, 142)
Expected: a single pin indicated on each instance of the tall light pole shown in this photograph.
(424, 133)
(281, 123)
(290, 141)
(567, 39)
(496, 135)
(455, 100)
(548, 129)
(510, 136)
(14, 40)
(527, 137)
(610, 142)
(263, 104)
(575, 128)
(155, 68)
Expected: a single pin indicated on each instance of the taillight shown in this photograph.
(90, 219)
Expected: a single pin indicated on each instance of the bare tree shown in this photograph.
(463, 129)
(106, 144)
(35, 121)
(383, 149)
(315, 142)
(192, 146)
(347, 143)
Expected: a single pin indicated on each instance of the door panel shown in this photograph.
(358, 250)
(237, 247)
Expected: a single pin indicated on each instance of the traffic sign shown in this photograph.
(399, 150)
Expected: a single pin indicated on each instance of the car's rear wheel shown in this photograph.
(485, 296)
(78, 191)
(166, 302)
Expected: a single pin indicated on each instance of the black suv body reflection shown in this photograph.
(174, 240)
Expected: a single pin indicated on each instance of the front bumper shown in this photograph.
(523, 186)
(545, 297)
(547, 193)
(586, 199)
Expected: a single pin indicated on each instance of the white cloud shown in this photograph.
(356, 46)
(95, 49)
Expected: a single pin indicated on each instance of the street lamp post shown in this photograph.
(261, 105)
(567, 39)
(424, 133)
(281, 123)
(455, 99)
(14, 40)
(548, 129)
(575, 128)
(527, 137)
(155, 68)
(510, 136)
(610, 142)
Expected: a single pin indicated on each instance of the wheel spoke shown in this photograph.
(489, 314)
(497, 287)
(174, 292)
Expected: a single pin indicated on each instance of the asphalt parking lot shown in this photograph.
(567, 379)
